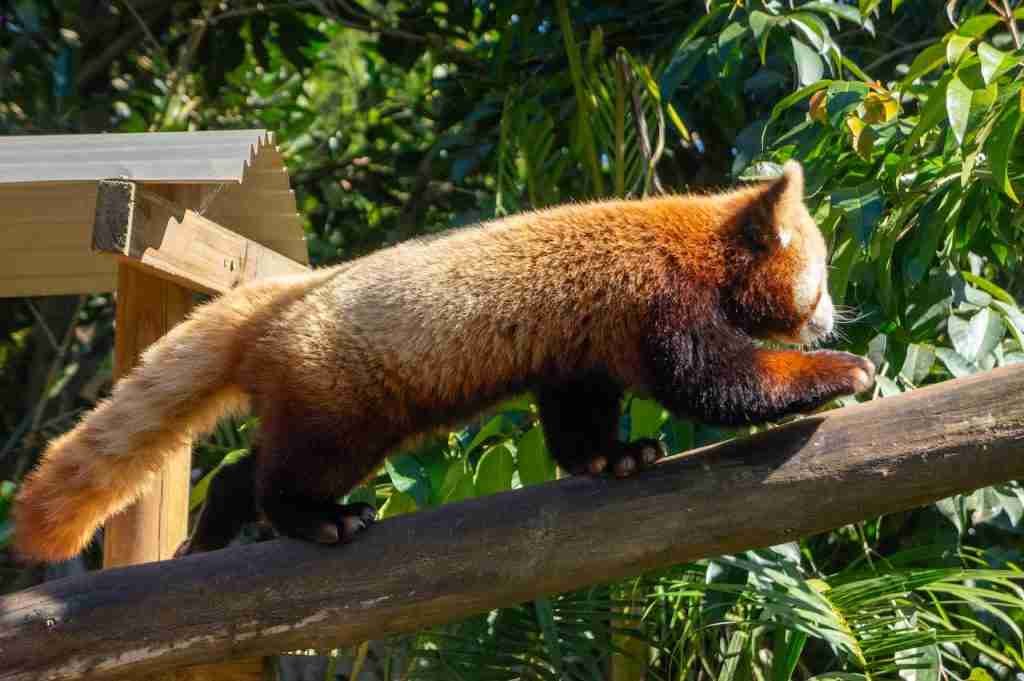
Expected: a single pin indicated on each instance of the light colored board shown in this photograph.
(147, 229)
(241, 200)
(46, 223)
(156, 157)
(59, 284)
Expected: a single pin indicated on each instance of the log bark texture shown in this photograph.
(435, 566)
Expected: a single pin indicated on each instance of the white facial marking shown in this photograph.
(810, 281)
(785, 236)
(821, 322)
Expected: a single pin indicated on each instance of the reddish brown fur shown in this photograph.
(345, 364)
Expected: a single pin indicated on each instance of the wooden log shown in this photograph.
(438, 565)
(146, 230)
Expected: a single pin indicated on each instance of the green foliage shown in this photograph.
(406, 118)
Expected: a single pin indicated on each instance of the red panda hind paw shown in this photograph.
(348, 521)
(636, 456)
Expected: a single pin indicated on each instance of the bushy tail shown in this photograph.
(183, 384)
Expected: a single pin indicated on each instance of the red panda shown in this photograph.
(661, 296)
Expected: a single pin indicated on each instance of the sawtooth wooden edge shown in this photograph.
(439, 565)
(147, 230)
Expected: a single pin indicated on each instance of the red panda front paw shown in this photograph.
(629, 458)
(853, 372)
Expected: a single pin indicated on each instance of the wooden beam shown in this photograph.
(438, 565)
(147, 230)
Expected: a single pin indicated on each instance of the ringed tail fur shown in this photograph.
(182, 385)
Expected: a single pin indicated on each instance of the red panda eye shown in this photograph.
(754, 231)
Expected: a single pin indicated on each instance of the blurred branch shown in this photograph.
(31, 438)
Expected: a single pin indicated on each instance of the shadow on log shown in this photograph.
(439, 565)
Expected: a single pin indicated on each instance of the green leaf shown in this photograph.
(801, 94)
(973, 339)
(994, 63)
(919, 664)
(955, 48)
(197, 496)
(918, 363)
(494, 470)
(843, 258)
(761, 24)
(988, 287)
(935, 219)
(409, 476)
(789, 645)
(494, 427)
(978, 25)
(397, 504)
(958, 107)
(645, 418)
(549, 631)
(844, 97)
(535, 463)
(458, 483)
(686, 58)
(835, 9)
(929, 59)
(1000, 146)
(957, 365)
(932, 112)
(809, 66)
(861, 206)
(888, 387)
(1013, 318)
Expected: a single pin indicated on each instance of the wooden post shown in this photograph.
(152, 528)
(148, 306)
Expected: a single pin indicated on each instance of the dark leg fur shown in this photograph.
(230, 504)
(581, 421)
(300, 475)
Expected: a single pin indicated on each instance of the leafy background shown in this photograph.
(404, 118)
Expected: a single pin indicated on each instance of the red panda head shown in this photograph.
(779, 287)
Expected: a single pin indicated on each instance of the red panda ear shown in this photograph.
(761, 223)
(792, 179)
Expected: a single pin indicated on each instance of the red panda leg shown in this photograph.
(580, 418)
(230, 504)
(725, 380)
(306, 462)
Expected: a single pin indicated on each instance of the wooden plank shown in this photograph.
(442, 564)
(45, 204)
(60, 284)
(241, 200)
(178, 244)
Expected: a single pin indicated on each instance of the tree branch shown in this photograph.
(438, 565)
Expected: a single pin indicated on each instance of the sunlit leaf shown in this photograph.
(535, 464)
(958, 107)
(809, 65)
(494, 470)
(1000, 146)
